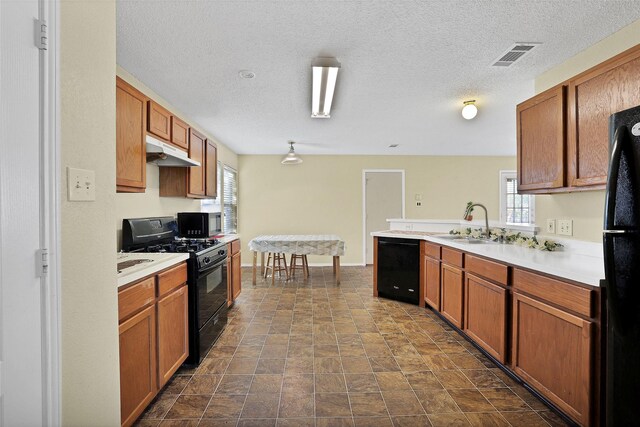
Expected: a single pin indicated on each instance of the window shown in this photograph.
(230, 200)
(514, 208)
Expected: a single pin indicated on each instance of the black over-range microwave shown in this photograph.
(199, 225)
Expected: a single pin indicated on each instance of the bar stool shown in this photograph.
(304, 265)
(274, 262)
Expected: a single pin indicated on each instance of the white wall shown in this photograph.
(323, 195)
(89, 306)
(586, 208)
(149, 203)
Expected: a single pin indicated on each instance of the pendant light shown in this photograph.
(291, 158)
(469, 110)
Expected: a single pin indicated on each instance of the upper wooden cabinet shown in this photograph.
(131, 114)
(197, 182)
(179, 133)
(211, 164)
(541, 141)
(159, 121)
(594, 95)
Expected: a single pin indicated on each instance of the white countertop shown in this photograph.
(587, 268)
(227, 238)
(158, 262)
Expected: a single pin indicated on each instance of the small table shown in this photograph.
(300, 244)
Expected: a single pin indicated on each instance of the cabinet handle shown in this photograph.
(395, 287)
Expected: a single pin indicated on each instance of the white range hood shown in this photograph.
(169, 155)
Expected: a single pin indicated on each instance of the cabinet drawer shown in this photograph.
(432, 250)
(234, 247)
(172, 279)
(487, 269)
(136, 297)
(452, 257)
(571, 297)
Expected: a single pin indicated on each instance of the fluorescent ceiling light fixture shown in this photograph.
(325, 74)
(469, 110)
(291, 158)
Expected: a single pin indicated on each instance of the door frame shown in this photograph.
(364, 204)
(50, 215)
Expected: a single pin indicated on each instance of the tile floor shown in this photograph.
(316, 354)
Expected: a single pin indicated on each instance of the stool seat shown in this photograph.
(304, 265)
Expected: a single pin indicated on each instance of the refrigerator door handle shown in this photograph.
(620, 138)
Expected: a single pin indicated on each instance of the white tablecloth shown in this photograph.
(301, 244)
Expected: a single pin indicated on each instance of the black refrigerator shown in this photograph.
(621, 240)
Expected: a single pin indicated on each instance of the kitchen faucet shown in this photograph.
(467, 212)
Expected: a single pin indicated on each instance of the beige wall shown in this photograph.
(323, 195)
(149, 203)
(90, 377)
(586, 209)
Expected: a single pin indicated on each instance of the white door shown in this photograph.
(384, 199)
(21, 328)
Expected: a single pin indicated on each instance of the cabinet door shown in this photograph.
(179, 133)
(432, 282)
(196, 173)
(138, 377)
(159, 121)
(173, 333)
(552, 351)
(236, 276)
(211, 172)
(485, 315)
(541, 141)
(452, 294)
(131, 114)
(593, 96)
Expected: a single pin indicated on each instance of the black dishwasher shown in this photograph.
(399, 269)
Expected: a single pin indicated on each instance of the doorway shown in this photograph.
(383, 198)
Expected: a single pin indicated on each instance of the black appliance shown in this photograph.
(399, 269)
(206, 276)
(199, 225)
(621, 241)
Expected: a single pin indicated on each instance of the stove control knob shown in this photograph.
(221, 252)
(206, 260)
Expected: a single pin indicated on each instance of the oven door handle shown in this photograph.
(213, 266)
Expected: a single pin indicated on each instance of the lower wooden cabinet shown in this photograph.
(452, 294)
(552, 350)
(138, 374)
(173, 333)
(431, 282)
(234, 271)
(485, 315)
(153, 337)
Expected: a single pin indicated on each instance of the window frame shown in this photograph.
(222, 200)
(504, 176)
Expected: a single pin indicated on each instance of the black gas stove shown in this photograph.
(206, 276)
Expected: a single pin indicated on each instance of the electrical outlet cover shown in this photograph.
(565, 227)
(551, 226)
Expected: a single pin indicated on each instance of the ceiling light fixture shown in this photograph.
(469, 111)
(291, 158)
(325, 74)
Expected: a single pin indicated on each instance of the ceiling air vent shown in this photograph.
(515, 53)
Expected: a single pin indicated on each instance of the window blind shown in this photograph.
(230, 200)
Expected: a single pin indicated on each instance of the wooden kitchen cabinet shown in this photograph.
(131, 114)
(159, 121)
(431, 274)
(154, 329)
(197, 182)
(594, 95)
(234, 271)
(452, 286)
(541, 135)
(138, 372)
(179, 133)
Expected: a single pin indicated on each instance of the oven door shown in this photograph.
(211, 289)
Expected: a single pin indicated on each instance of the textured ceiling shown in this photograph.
(406, 67)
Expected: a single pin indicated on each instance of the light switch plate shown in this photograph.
(81, 185)
(565, 227)
(551, 226)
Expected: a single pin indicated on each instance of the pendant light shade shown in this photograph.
(469, 110)
(291, 158)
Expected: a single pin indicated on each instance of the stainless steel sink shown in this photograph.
(462, 239)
